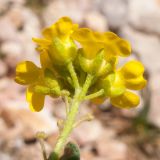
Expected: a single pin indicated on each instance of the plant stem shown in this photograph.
(94, 95)
(73, 75)
(71, 117)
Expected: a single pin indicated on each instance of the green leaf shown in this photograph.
(53, 156)
(71, 152)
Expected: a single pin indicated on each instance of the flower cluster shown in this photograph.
(89, 52)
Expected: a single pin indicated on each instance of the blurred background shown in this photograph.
(114, 134)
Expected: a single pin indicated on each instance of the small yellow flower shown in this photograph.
(126, 100)
(27, 73)
(117, 85)
(92, 42)
(100, 51)
(39, 84)
(132, 73)
(57, 41)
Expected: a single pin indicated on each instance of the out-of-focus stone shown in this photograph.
(19, 25)
(12, 51)
(7, 31)
(146, 46)
(5, 156)
(145, 15)
(30, 29)
(59, 109)
(11, 48)
(15, 16)
(96, 21)
(3, 68)
(93, 130)
(7, 4)
(115, 12)
(32, 152)
(154, 111)
(27, 123)
(4, 82)
(57, 9)
(110, 148)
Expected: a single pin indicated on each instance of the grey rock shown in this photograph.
(146, 47)
(154, 111)
(145, 15)
(115, 12)
(96, 21)
(5, 156)
(93, 130)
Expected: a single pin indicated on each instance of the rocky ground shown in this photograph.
(114, 134)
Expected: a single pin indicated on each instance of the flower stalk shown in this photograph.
(69, 124)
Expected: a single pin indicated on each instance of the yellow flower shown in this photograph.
(57, 41)
(27, 73)
(118, 84)
(92, 42)
(126, 100)
(100, 51)
(39, 83)
(132, 73)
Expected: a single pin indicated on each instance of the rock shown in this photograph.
(4, 82)
(154, 111)
(144, 15)
(96, 21)
(26, 123)
(13, 52)
(32, 152)
(18, 45)
(31, 28)
(7, 4)
(57, 9)
(115, 12)
(3, 6)
(11, 48)
(3, 68)
(5, 156)
(110, 147)
(7, 32)
(93, 130)
(15, 15)
(59, 109)
(146, 46)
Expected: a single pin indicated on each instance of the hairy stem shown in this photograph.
(73, 75)
(95, 95)
(71, 117)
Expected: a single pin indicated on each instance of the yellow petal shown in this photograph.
(62, 29)
(65, 25)
(36, 100)
(45, 60)
(49, 32)
(92, 42)
(41, 41)
(88, 41)
(115, 45)
(126, 100)
(27, 73)
(132, 69)
(136, 83)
